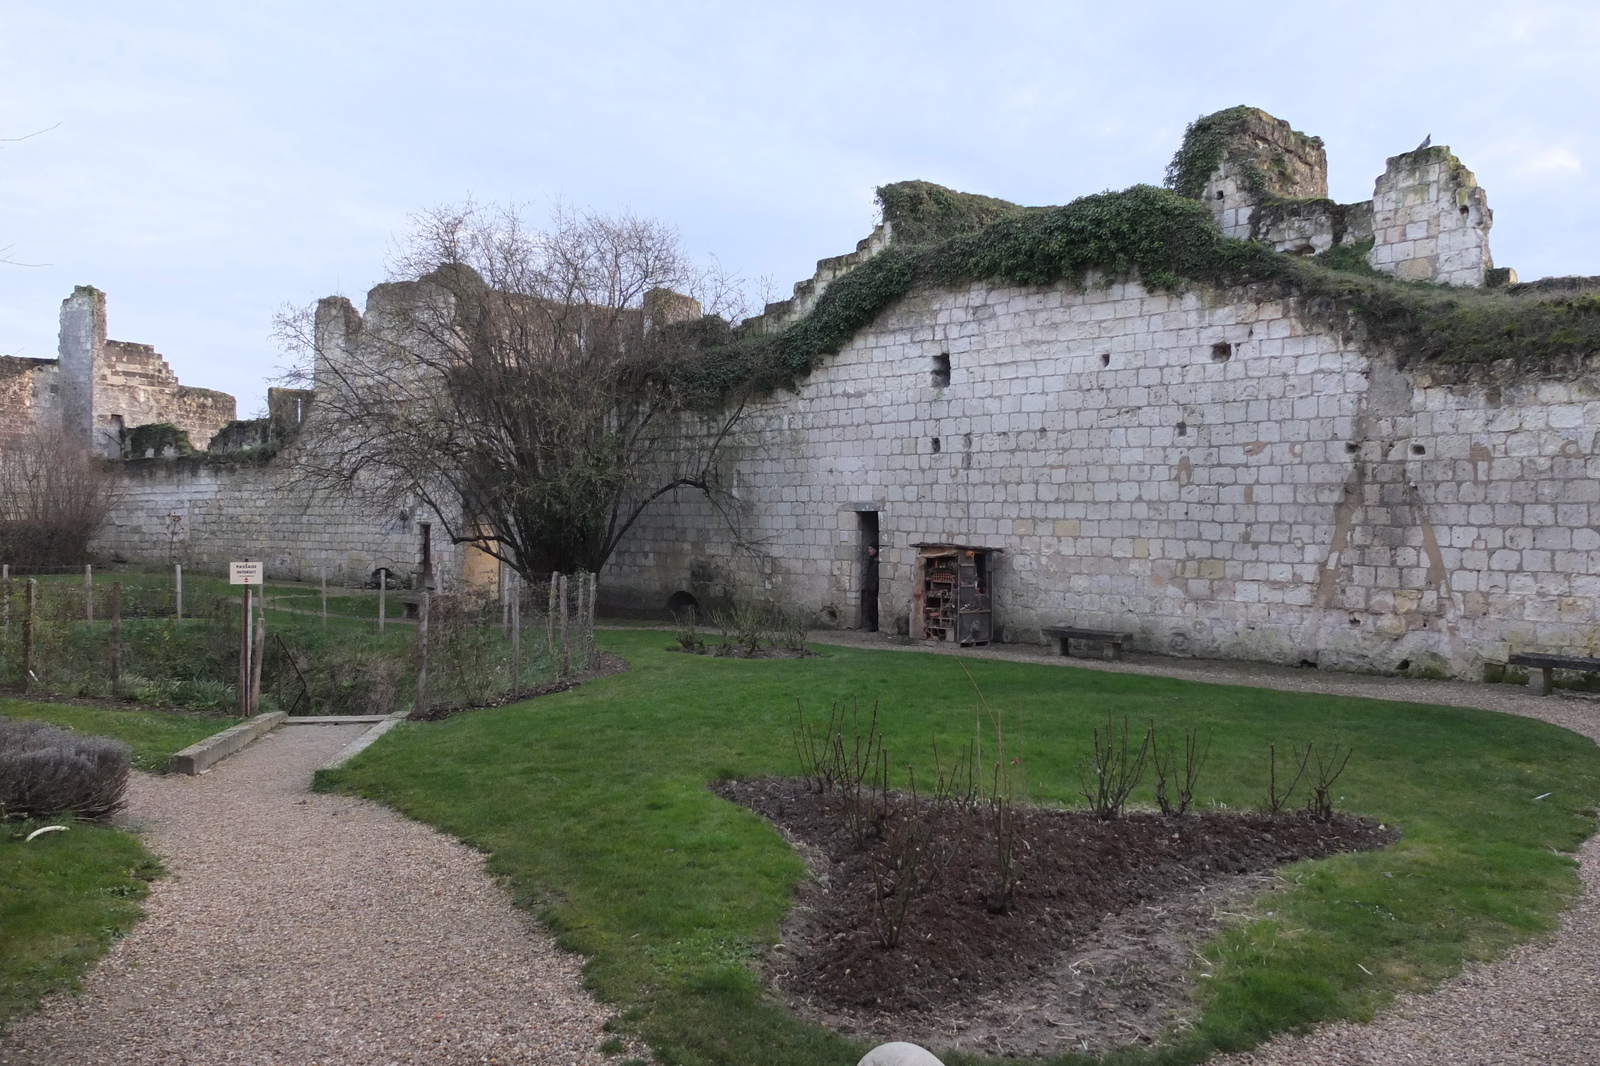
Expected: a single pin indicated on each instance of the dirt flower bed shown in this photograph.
(1092, 950)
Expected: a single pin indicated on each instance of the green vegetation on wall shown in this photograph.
(921, 212)
(1204, 144)
(154, 440)
(1168, 242)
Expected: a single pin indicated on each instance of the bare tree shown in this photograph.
(54, 497)
(534, 388)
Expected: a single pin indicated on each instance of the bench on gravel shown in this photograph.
(1110, 641)
(1540, 665)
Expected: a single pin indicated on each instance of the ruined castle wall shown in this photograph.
(1217, 478)
(232, 511)
(134, 386)
(1430, 220)
(29, 395)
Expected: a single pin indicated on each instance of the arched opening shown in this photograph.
(681, 601)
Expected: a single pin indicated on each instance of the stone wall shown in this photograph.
(1430, 220)
(29, 392)
(247, 510)
(96, 388)
(1214, 476)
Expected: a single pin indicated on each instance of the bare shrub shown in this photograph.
(54, 497)
(1278, 798)
(854, 769)
(1170, 775)
(688, 631)
(1320, 804)
(46, 770)
(1112, 774)
(916, 850)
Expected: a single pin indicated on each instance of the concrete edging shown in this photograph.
(364, 741)
(199, 757)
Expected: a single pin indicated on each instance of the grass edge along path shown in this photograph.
(67, 897)
(593, 804)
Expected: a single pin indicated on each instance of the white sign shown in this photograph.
(244, 573)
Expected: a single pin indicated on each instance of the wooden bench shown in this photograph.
(1540, 665)
(1110, 641)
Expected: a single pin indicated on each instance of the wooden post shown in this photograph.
(27, 635)
(115, 607)
(594, 599)
(244, 658)
(177, 590)
(550, 619)
(259, 653)
(583, 615)
(421, 705)
(383, 597)
(505, 600)
(324, 598)
(88, 593)
(516, 633)
(5, 582)
(566, 650)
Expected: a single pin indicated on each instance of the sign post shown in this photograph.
(249, 575)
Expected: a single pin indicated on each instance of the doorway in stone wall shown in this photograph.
(867, 605)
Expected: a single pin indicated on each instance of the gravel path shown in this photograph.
(1539, 1004)
(300, 928)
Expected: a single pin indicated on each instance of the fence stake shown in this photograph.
(27, 636)
(5, 580)
(550, 619)
(324, 599)
(383, 597)
(259, 653)
(593, 652)
(177, 590)
(88, 592)
(244, 658)
(116, 638)
(422, 656)
(566, 650)
(516, 633)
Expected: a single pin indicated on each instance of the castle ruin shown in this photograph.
(1249, 465)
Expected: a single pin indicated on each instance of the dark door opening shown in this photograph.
(867, 612)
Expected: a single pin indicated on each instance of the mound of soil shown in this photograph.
(1093, 949)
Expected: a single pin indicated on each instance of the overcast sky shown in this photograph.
(206, 163)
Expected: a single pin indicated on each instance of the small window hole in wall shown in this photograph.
(1417, 449)
(1219, 194)
(1351, 447)
(1183, 429)
(1355, 621)
(1105, 358)
(1465, 210)
(1403, 665)
(935, 445)
(941, 370)
(1221, 352)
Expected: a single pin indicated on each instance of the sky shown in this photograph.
(207, 164)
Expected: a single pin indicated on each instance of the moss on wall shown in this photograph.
(921, 212)
(154, 439)
(1168, 242)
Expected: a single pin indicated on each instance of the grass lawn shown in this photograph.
(593, 803)
(65, 897)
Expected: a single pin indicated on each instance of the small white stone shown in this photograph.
(899, 1053)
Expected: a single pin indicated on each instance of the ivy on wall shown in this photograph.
(1168, 242)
